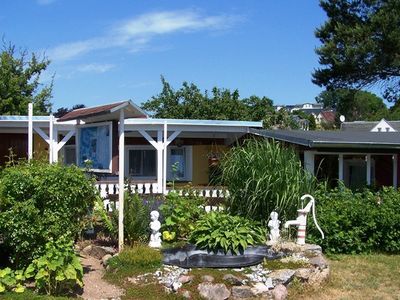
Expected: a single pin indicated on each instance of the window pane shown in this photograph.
(70, 155)
(142, 163)
(95, 146)
(178, 162)
(149, 163)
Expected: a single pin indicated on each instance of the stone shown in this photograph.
(105, 258)
(210, 291)
(232, 279)
(319, 276)
(303, 274)
(280, 292)
(319, 261)
(242, 292)
(176, 286)
(311, 249)
(259, 288)
(207, 278)
(185, 278)
(87, 250)
(186, 294)
(283, 276)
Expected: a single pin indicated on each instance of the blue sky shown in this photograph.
(106, 51)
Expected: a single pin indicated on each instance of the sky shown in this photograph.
(106, 51)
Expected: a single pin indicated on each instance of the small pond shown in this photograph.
(189, 256)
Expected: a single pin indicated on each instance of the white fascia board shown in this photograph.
(182, 122)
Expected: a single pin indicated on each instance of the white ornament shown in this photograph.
(273, 225)
(155, 225)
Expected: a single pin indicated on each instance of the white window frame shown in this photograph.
(78, 133)
(139, 147)
(189, 163)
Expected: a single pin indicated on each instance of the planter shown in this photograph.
(189, 256)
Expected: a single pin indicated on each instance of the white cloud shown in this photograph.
(95, 68)
(135, 34)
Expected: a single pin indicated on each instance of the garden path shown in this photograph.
(95, 287)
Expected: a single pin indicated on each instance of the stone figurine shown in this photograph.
(155, 225)
(273, 225)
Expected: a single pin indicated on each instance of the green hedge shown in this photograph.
(39, 201)
(357, 222)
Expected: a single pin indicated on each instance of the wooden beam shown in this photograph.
(30, 131)
(121, 178)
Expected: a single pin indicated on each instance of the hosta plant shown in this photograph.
(221, 231)
(11, 280)
(59, 270)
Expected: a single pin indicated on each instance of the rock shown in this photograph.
(105, 258)
(319, 276)
(268, 283)
(312, 250)
(207, 278)
(259, 288)
(186, 294)
(280, 292)
(283, 276)
(87, 250)
(303, 274)
(232, 279)
(176, 286)
(185, 278)
(213, 291)
(242, 292)
(319, 261)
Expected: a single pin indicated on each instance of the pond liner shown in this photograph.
(189, 256)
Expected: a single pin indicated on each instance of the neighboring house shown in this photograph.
(155, 150)
(320, 114)
(358, 154)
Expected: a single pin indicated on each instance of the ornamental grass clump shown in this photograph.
(263, 176)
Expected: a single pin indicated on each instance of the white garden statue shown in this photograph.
(155, 225)
(273, 225)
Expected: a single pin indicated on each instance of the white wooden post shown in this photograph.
(165, 158)
(368, 158)
(341, 169)
(309, 161)
(159, 162)
(55, 142)
(51, 142)
(30, 131)
(121, 180)
(395, 162)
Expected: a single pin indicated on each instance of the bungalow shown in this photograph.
(362, 153)
(154, 150)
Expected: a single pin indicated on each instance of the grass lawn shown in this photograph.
(357, 277)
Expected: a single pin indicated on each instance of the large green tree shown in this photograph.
(189, 102)
(20, 82)
(360, 46)
(354, 105)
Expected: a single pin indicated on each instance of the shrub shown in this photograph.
(357, 222)
(136, 259)
(180, 213)
(221, 231)
(58, 270)
(39, 201)
(11, 280)
(263, 176)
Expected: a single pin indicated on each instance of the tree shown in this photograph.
(360, 46)
(354, 105)
(221, 104)
(64, 110)
(281, 119)
(20, 84)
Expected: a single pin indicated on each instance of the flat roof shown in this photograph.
(334, 139)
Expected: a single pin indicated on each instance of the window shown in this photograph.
(94, 142)
(179, 163)
(142, 162)
(69, 154)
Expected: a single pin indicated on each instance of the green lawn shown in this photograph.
(357, 277)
